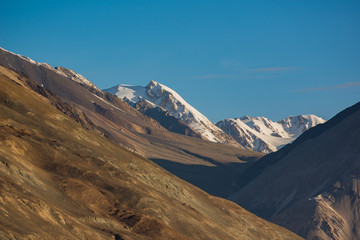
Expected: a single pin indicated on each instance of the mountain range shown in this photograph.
(77, 162)
(254, 133)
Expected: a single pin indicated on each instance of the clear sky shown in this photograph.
(226, 58)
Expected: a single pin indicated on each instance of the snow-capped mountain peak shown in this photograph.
(171, 101)
(296, 125)
(263, 135)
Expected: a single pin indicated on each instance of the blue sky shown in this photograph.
(226, 58)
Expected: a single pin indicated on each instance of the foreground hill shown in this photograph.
(208, 165)
(312, 185)
(61, 178)
(263, 135)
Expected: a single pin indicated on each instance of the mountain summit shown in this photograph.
(263, 135)
(163, 96)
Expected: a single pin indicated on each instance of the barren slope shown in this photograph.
(60, 180)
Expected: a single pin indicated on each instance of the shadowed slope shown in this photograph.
(312, 185)
(166, 120)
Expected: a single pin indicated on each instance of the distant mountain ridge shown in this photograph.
(263, 135)
(161, 95)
